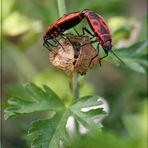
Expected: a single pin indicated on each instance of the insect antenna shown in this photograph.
(121, 61)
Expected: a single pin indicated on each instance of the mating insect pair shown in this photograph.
(100, 29)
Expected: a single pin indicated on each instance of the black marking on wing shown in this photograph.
(69, 24)
(107, 38)
(103, 30)
(95, 23)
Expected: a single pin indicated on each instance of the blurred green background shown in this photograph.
(24, 59)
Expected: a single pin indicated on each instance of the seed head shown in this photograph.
(75, 55)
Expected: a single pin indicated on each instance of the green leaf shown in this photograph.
(135, 56)
(40, 101)
(49, 133)
(52, 132)
(86, 110)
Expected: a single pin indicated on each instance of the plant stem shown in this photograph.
(61, 7)
(75, 89)
(75, 86)
(74, 79)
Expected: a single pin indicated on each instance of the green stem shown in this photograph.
(75, 86)
(75, 89)
(61, 7)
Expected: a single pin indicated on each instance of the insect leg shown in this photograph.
(48, 45)
(105, 55)
(97, 52)
(55, 40)
(76, 31)
(89, 43)
(65, 37)
(84, 29)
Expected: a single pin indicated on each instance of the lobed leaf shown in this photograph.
(52, 132)
(86, 109)
(40, 101)
(135, 56)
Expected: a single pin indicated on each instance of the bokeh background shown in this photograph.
(24, 60)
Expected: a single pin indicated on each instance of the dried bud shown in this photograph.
(75, 55)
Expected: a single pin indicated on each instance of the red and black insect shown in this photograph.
(97, 23)
(101, 32)
(64, 23)
(100, 29)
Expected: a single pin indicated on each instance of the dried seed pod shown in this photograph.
(75, 55)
